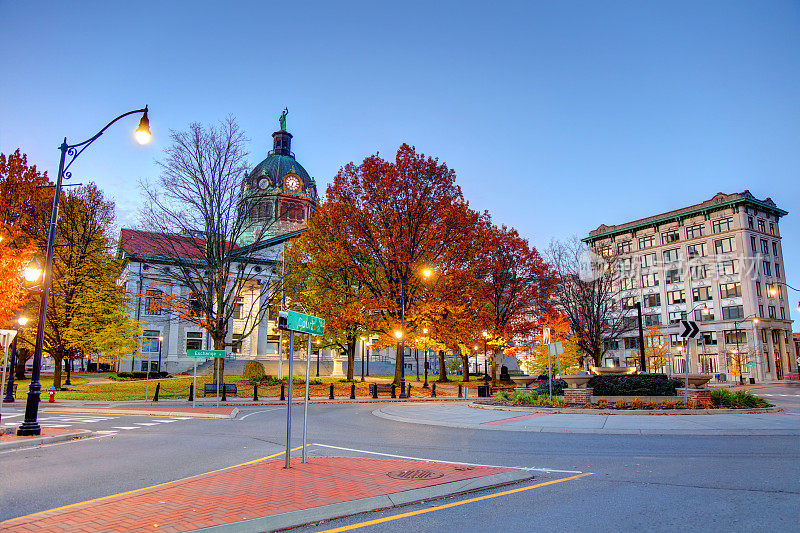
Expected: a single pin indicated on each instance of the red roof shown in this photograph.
(151, 244)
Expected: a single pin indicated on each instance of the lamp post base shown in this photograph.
(31, 426)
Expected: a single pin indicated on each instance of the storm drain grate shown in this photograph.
(414, 473)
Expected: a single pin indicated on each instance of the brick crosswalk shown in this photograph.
(245, 492)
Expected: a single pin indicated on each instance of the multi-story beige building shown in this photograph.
(718, 263)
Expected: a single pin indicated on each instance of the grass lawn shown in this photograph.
(178, 387)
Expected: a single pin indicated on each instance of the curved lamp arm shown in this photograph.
(71, 149)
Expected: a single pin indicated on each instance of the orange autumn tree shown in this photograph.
(381, 224)
(512, 290)
(24, 212)
(535, 358)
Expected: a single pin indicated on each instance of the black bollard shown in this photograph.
(330, 396)
(224, 395)
(352, 391)
(374, 387)
(158, 389)
(433, 390)
(191, 391)
(283, 393)
(255, 392)
(394, 394)
(459, 390)
(408, 390)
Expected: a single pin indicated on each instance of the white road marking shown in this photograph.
(56, 443)
(13, 415)
(166, 421)
(537, 469)
(256, 412)
(126, 427)
(146, 423)
(106, 431)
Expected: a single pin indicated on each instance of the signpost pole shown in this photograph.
(194, 359)
(550, 369)
(216, 378)
(289, 400)
(147, 379)
(305, 407)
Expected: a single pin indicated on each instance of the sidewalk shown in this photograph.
(9, 441)
(263, 496)
(538, 420)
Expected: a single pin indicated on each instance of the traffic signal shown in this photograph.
(283, 320)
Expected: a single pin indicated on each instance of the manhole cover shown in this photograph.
(414, 473)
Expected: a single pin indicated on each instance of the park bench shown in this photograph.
(381, 387)
(211, 388)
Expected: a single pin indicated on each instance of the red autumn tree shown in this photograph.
(382, 223)
(512, 291)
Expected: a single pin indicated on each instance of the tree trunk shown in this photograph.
(351, 357)
(398, 361)
(465, 367)
(219, 362)
(495, 377)
(442, 368)
(57, 361)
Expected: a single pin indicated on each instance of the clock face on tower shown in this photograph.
(292, 183)
(263, 183)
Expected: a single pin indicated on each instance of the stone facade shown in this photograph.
(719, 263)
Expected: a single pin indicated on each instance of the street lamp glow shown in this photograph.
(756, 320)
(427, 272)
(705, 310)
(773, 291)
(142, 133)
(485, 334)
(31, 273)
(425, 331)
(22, 320)
(398, 334)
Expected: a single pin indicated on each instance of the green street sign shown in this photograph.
(750, 364)
(305, 323)
(205, 353)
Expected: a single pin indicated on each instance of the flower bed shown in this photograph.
(720, 399)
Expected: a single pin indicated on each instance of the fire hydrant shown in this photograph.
(52, 394)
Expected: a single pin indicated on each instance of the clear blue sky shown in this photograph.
(556, 116)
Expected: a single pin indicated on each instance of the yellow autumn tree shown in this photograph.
(535, 361)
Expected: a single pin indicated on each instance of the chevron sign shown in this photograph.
(690, 329)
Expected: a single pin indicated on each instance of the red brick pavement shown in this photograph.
(243, 492)
(46, 432)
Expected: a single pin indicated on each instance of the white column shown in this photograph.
(173, 341)
(783, 350)
(263, 326)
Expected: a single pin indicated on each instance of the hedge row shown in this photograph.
(634, 385)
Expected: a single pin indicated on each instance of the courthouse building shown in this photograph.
(275, 201)
(719, 263)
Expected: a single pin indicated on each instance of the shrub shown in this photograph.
(522, 398)
(651, 405)
(692, 404)
(634, 385)
(559, 401)
(602, 403)
(558, 387)
(726, 398)
(502, 396)
(253, 372)
(589, 405)
(670, 404)
(141, 375)
(620, 404)
(707, 405)
(636, 403)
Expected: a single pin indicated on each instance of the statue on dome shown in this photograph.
(282, 118)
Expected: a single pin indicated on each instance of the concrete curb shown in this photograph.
(141, 412)
(641, 412)
(594, 431)
(364, 505)
(47, 439)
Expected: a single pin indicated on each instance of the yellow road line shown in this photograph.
(448, 505)
(150, 487)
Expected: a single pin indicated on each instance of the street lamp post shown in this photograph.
(485, 365)
(30, 426)
(425, 332)
(318, 350)
(160, 344)
(362, 358)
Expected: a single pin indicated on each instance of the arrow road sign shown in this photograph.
(690, 329)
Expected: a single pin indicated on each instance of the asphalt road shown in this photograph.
(651, 483)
